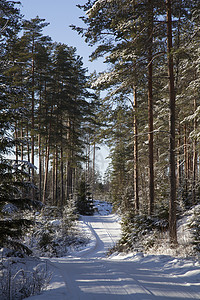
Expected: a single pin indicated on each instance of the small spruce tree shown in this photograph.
(84, 200)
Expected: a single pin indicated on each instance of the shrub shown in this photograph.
(194, 224)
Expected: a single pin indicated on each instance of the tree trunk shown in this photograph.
(74, 181)
(62, 175)
(56, 176)
(194, 159)
(22, 146)
(40, 167)
(179, 164)
(33, 122)
(46, 170)
(135, 151)
(69, 160)
(39, 150)
(93, 170)
(87, 169)
(47, 161)
(16, 145)
(150, 110)
(185, 158)
(28, 147)
(172, 105)
(69, 180)
(61, 161)
(53, 181)
(88, 163)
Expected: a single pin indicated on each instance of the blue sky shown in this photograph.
(60, 14)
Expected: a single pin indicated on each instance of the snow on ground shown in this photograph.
(88, 274)
(22, 276)
(102, 208)
(185, 236)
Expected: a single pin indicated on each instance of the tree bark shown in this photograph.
(40, 167)
(22, 146)
(185, 158)
(16, 145)
(61, 162)
(172, 105)
(93, 169)
(69, 180)
(150, 109)
(135, 151)
(33, 122)
(194, 171)
(28, 146)
(47, 161)
(69, 160)
(46, 170)
(179, 164)
(56, 176)
(39, 150)
(62, 175)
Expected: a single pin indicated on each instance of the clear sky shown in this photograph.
(60, 14)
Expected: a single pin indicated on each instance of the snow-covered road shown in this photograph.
(90, 275)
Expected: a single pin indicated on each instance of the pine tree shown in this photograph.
(128, 44)
(172, 204)
(33, 35)
(14, 181)
(135, 38)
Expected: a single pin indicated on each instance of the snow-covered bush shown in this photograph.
(22, 277)
(15, 202)
(194, 225)
(149, 234)
(140, 232)
(55, 232)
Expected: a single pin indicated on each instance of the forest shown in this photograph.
(151, 49)
(144, 107)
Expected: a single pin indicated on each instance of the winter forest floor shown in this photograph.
(89, 274)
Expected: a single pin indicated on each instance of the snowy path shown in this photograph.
(89, 275)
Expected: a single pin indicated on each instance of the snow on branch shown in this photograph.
(97, 6)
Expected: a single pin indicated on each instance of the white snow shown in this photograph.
(89, 274)
(55, 222)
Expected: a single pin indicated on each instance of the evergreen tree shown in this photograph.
(33, 35)
(84, 202)
(128, 43)
(14, 181)
(172, 204)
(135, 38)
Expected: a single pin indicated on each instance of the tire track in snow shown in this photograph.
(98, 226)
(89, 275)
